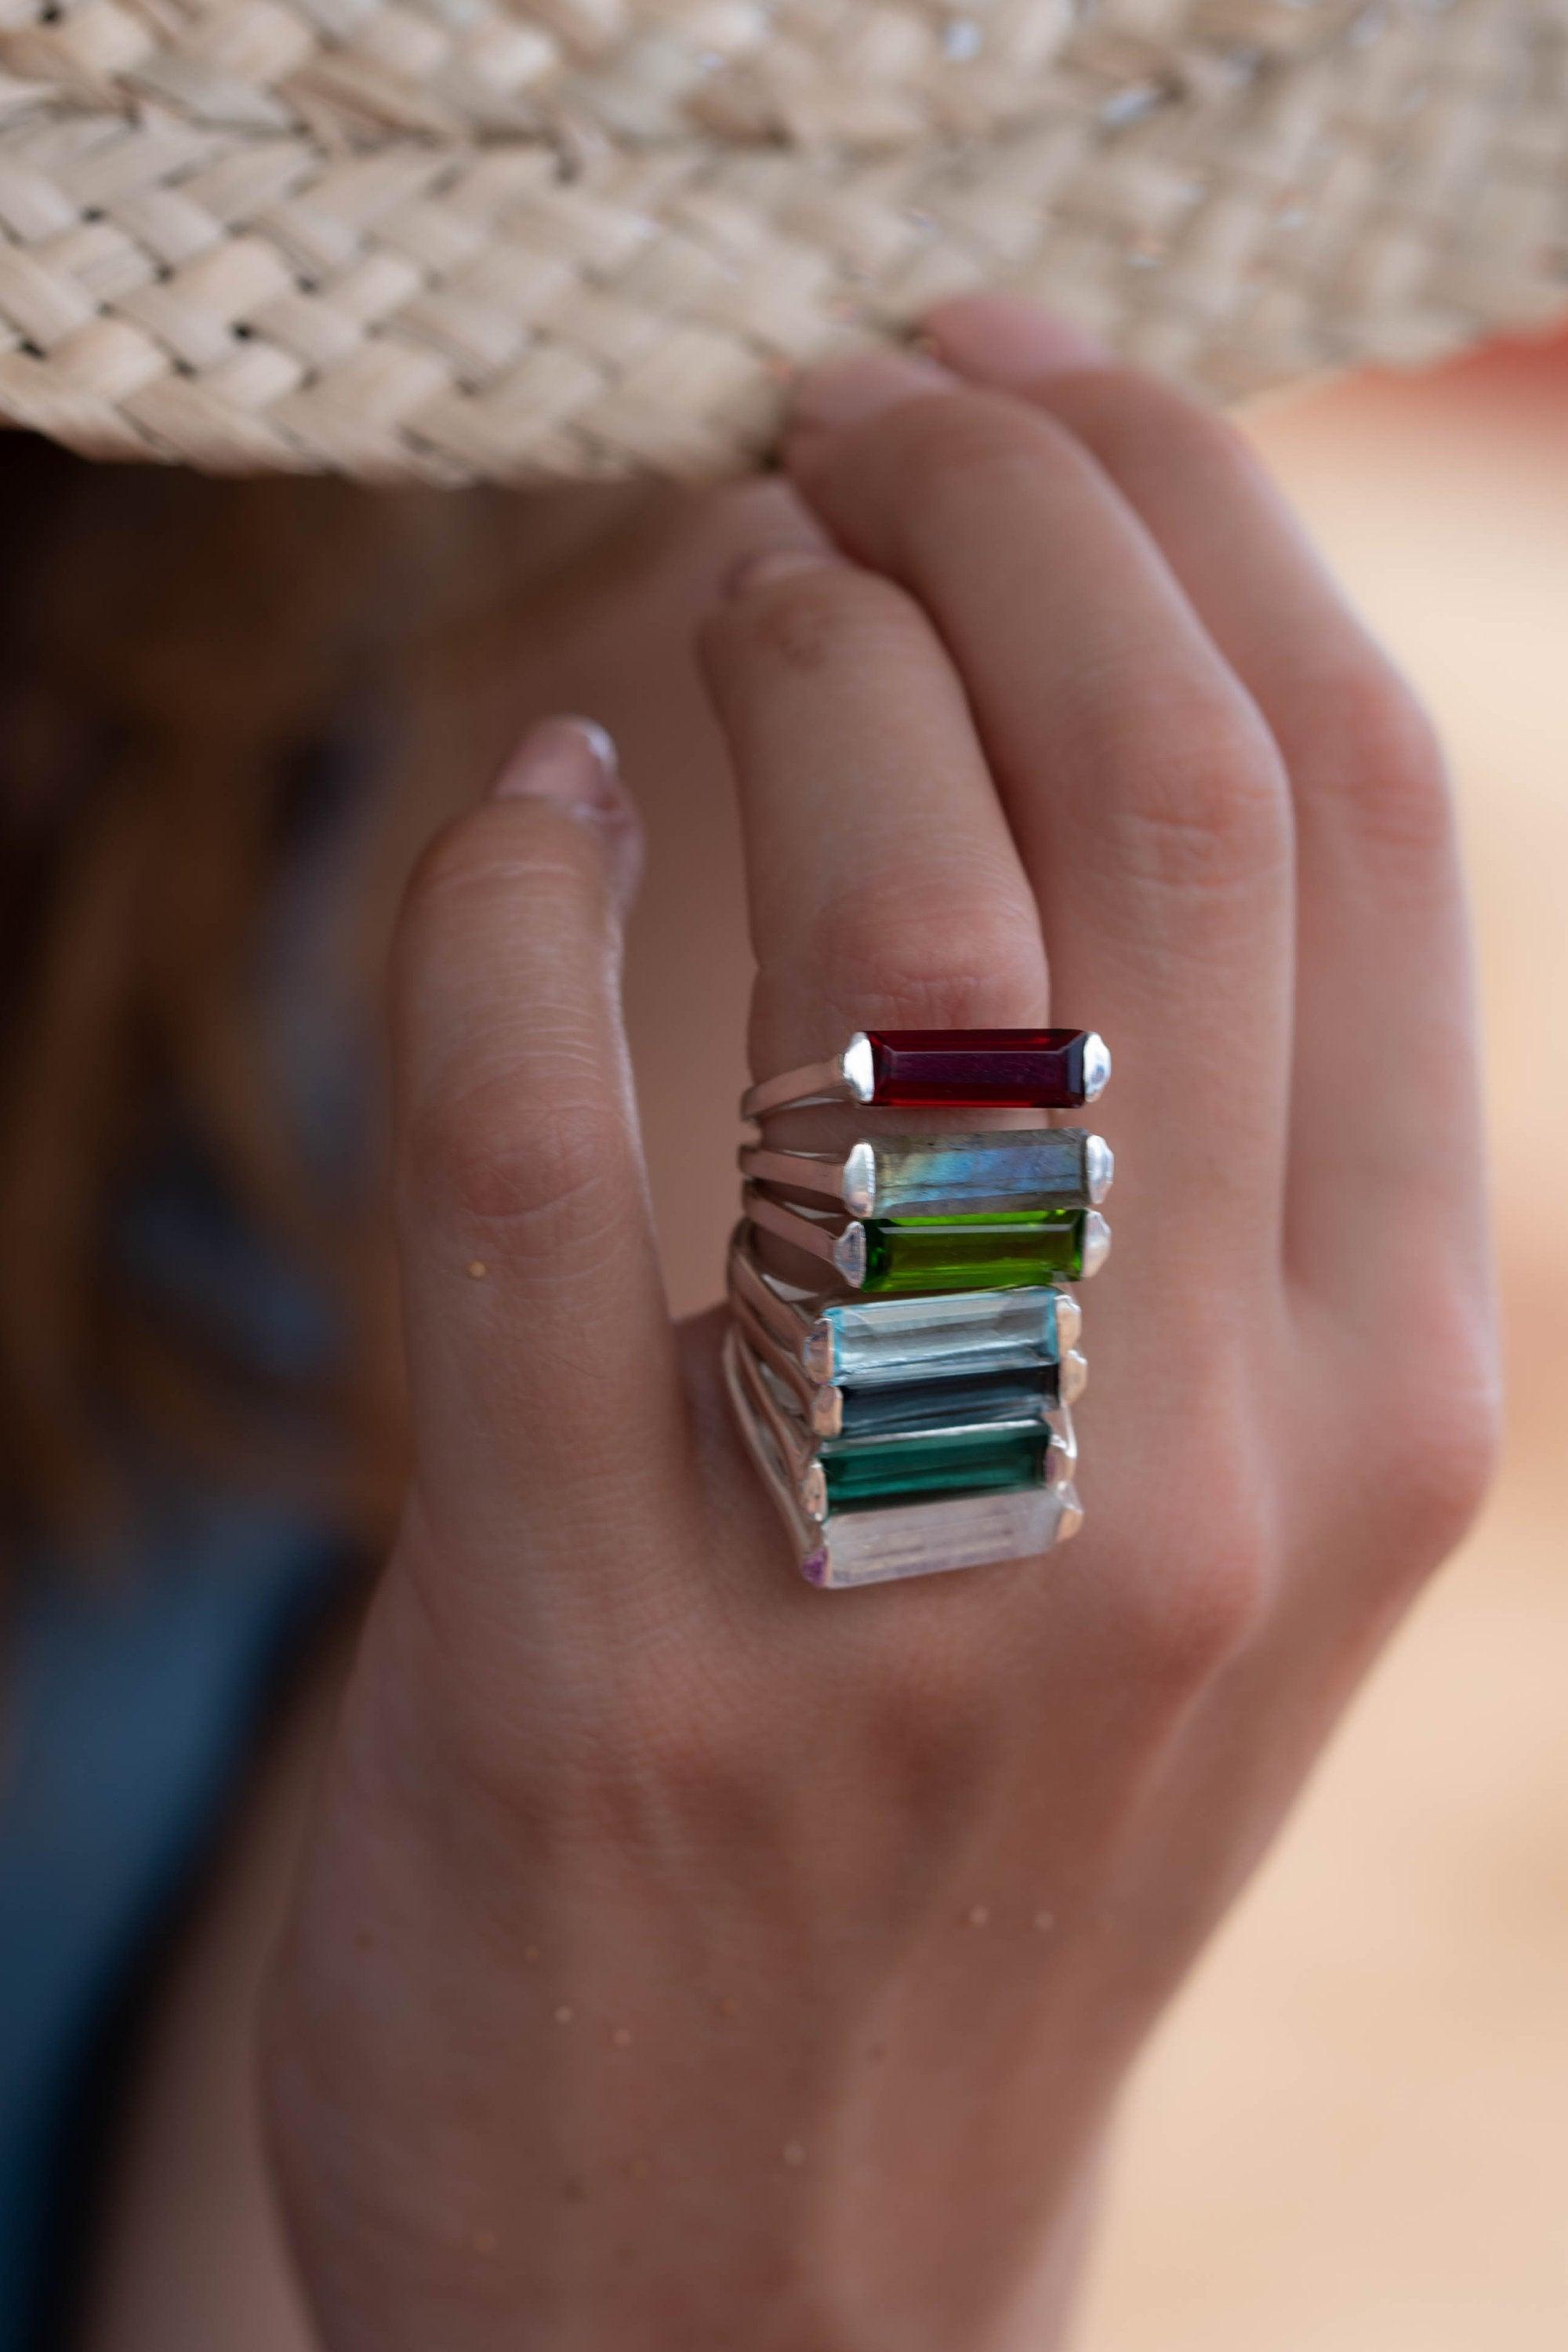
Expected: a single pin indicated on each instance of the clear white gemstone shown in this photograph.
(1095, 1243)
(1074, 1376)
(925, 1538)
(1099, 1168)
(1096, 1065)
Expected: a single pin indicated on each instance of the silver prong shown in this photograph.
(814, 1082)
(859, 1186)
(1099, 1168)
(779, 1479)
(1095, 1243)
(787, 1322)
(815, 1174)
(1096, 1065)
(859, 1077)
(849, 1254)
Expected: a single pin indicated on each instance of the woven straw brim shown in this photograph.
(458, 239)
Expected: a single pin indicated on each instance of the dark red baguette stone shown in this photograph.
(1038, 1068)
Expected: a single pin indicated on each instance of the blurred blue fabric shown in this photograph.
(132, 1691)
(131, 1707)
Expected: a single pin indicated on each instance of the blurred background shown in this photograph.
(1352, 2135)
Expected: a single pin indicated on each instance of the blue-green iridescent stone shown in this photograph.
(997, 1177)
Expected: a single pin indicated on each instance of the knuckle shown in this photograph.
(813, 622)
(1439, 1442)
(938, 951)
(1376, 754)
(951, 444)
(496, 1155)
(1139, 419)
(1205, 1608)
(1205, 1593)
(1194, 793)
(454, 863)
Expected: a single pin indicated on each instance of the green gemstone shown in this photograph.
(960, 1256)
(861, 1472)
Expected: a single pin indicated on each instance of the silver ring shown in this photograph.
(907, 1397)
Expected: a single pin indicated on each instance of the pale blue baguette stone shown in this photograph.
(955, 1335)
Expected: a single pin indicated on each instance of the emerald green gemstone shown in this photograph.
(997, 1255)
(862, 1473)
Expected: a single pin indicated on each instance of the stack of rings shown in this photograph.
(908, 1400)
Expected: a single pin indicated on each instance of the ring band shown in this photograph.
(907, 1398)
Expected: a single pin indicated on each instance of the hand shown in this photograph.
(688, 1959)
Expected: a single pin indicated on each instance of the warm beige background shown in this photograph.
(1353, 2135)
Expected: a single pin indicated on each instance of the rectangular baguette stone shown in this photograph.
(1039, 1171)
(889, 1408)
(861, 1474)
(924, 1539)
(875, 1339)
(1040, 1068)
(1013, 1256)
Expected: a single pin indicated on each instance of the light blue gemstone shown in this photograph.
(1048, 1170)
(961, 1334)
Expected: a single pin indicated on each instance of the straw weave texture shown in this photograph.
(461, 240)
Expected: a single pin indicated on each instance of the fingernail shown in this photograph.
(762, 567)
(842, 393)
(1003, 339)
(569, 761)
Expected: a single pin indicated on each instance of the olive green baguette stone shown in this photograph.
(995, 1257)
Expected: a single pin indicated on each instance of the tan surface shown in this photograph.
(1353, 2136)
(523, 237)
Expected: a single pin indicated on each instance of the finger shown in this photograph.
(1383, 968)
(540, 1352)
(884, 887)
(1146, 794)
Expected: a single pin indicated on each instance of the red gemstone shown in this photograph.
(1042, 1068)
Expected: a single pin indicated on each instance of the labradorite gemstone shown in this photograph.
(864, 1471)
(970, 1178)
(905, 1405)
(960, 1256)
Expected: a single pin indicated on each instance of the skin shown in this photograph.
(685, 1958)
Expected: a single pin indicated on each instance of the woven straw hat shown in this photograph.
(460, 239)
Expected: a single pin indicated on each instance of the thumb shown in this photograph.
(546, 1410)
